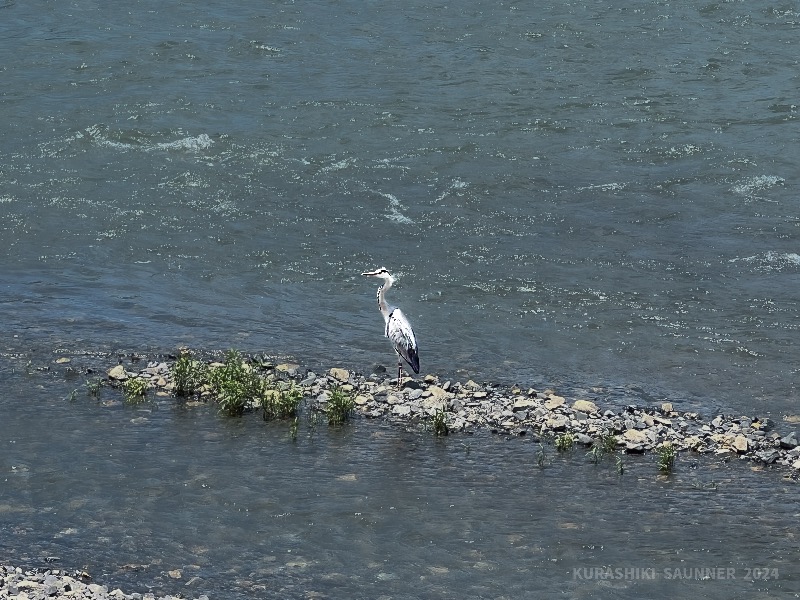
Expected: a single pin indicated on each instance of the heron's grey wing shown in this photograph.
(398, 329)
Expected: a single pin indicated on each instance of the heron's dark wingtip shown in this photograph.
(413, 360)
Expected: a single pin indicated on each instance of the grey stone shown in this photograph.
(768, 456)
(414, 394)
(411, 384)
(790, 441)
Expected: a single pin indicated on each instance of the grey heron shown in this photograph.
(398, 329)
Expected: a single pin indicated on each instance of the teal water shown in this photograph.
(598, 199)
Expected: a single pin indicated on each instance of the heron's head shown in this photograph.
(382, 273)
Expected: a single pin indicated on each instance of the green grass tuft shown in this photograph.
(340, 406)
(281, 403)
(188, 374)
(235, 384)
(93, 387)
(135, 389)
(609, 443)
(666, 457)
(439, 422)
(565, 442)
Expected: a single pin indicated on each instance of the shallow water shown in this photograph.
(597, 199)
(134, 493)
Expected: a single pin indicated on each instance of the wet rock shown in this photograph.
(557, 423)
(339, 374)
(635, 436)
(289, 368)
(741, 444)
(117, 373)
(554, 402)
(401, 410)
(768, 456)
(585, 406)
(436, 391)
(790, 441)
(523, 404)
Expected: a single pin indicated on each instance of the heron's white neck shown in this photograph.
(382, 305)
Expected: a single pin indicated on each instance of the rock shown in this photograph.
(437, 392)
(796, 465)
(585, 406)
(288, 368)
(557, 423)
(361, 400)
(411, 384)
(523, 404)
(415, 394)
(339, 374)
(585, 440)
(118, 373)
(692, 442)
(401, 410)
(554, 402)
(479, 395)
(634, 448)
(790, 441)
(666, 407)
(434, 403)
(741, 444)
(635, 436)
(768, 456)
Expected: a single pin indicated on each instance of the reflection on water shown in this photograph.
(180, 499)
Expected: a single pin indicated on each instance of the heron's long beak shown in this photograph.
(372, 273)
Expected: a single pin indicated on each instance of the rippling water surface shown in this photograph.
(597, 198)
(175, 498)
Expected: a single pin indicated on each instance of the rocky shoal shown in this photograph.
(53, 584)
(512, 410)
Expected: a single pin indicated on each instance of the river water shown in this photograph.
(597, 198)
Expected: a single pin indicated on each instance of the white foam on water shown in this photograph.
(98, 134)
(604, 187)
(752, 186)
(193, 144)
(393, 213)
(339, 165)
(771, 261)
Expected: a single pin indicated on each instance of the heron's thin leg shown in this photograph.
(399, 373)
